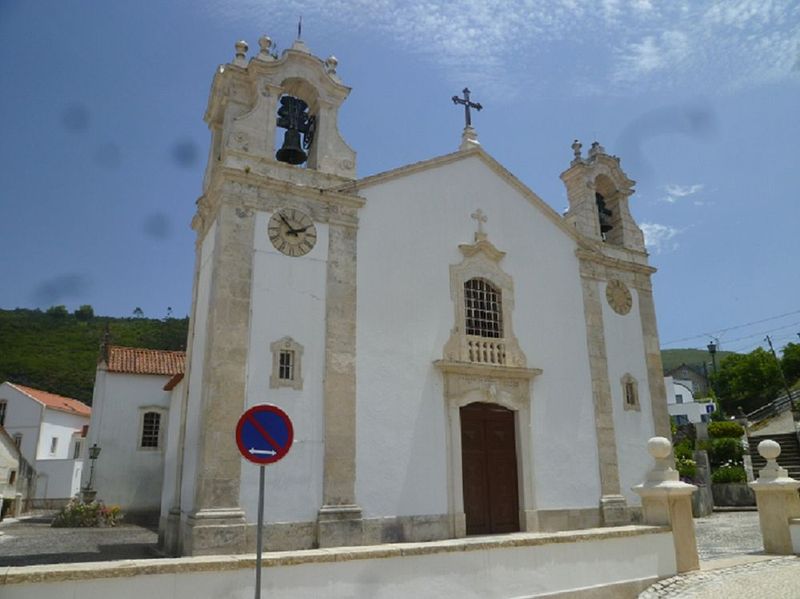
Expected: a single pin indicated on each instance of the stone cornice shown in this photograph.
(615, 263)
(483, 245)
(486, 370)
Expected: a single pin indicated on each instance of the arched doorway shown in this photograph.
(489, 469)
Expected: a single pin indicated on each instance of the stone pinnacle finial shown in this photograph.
(265, 44)
(241, 52)
(330, 65)
(770, 450)
(661, 448)
(596, 149)
(576, 151)
(469, 139)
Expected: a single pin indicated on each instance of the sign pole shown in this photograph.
(259, 531)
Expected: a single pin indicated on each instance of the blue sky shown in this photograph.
(104, 146)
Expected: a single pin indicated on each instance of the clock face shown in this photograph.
(292, 232)
(619, 296)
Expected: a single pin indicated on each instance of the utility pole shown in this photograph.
(780, 370)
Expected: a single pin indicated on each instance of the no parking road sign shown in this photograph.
(264, 434)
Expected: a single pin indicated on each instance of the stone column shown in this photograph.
(216, 523)
(666, 501)
(777, 500)
(613, 507)
(339, 520)
(652, 352)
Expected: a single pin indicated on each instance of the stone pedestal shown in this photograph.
(614, 510)
(339, 526)
(215, 531)
(777, 501)
(666, 501)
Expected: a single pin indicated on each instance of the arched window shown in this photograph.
(483, 309)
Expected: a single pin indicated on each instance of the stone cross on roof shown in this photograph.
(480, 218)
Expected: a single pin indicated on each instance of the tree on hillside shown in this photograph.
(790, 362)
(84, 313)
(747, 381)
(57, 311)
(138, 312)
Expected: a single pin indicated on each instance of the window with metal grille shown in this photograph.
(483, 309)
(286, 365)
(151, 427)
(2, 413)
(53, 445)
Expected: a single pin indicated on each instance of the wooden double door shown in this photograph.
(489, 469)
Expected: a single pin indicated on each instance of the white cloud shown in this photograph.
(660, 238)
(637, 44)
(676, 192)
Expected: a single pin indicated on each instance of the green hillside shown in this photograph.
(693, 357)
(58, 352)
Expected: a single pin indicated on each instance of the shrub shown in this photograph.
(77, 514)
(683, 449)
(725, 430)
(729, 473)
(724, 450)
(687, 467)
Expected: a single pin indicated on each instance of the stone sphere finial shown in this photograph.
(330, 64)
(265, 43)
(769, 449)
(576, 148)
(659, 447)
(241, 49)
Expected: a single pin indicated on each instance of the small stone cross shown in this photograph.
(481, 218)
(467, 105)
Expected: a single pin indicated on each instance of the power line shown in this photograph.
(733, 328)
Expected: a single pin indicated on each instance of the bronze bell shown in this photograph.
(292, 151)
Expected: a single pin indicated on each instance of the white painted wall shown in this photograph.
(58, 479)
(288, 299)
(172, 450)
(62, 426)
(195, 368)
(632, 428)
(126, 475)
(474, 573)
(408, 237)
(23, 416)
(9, 462)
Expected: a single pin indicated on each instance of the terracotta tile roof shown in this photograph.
(137, 360)
(55, 402)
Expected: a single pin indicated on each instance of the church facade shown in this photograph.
(457, 358)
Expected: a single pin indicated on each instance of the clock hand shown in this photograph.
(291, 231)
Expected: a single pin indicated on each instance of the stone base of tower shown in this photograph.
(214, 532)
(340, 526)
(614, 510)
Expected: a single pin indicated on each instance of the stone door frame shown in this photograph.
(507, 387)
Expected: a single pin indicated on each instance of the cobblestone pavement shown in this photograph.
(30, 541)
(733, 565)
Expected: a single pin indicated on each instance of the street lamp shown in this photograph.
(712, 349)
(88, 492)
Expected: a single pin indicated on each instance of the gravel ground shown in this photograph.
(30, 541)
(728, 533)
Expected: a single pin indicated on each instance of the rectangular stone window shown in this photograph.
(287, 364)
(53, 445)
(3, 413)
(630, 393)
(18, 439)
(12, 477)
(678, 398)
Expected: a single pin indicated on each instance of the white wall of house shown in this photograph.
(58, 479)
(681, 403)
(9, 462)
(409, 233)
(62, 427)
(125, 473)
(23, 417)
(173, 451)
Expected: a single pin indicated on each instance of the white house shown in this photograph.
(446, 344)
(49, 430)
(129, 423)
(681, 404)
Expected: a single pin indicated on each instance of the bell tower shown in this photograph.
(274, 283)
